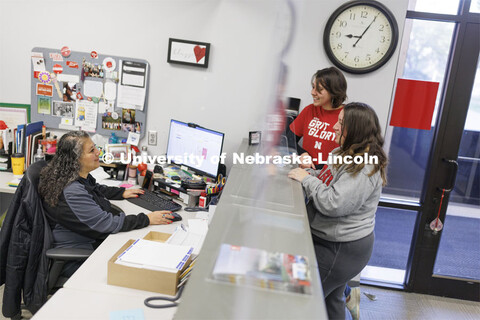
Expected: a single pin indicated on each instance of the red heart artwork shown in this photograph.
(199, 53)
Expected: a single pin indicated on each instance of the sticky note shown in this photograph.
(132, 314)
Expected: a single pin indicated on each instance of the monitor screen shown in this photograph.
(193, 146)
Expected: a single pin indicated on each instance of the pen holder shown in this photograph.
(192, 199)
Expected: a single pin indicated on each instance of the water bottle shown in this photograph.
(39, 156)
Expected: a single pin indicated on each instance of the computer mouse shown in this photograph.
(176, 178)
(176, 217)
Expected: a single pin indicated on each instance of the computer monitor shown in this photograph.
(188, 143)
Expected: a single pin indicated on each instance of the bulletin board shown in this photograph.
(91, 91)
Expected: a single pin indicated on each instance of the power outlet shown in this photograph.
(152, 138)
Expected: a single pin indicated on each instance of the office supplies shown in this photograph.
(155, 202)
(195, 147)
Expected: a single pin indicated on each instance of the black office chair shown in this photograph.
(28, 263)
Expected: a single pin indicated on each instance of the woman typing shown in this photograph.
(76, 206)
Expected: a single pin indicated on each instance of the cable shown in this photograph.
(194, 209)
(161, 306)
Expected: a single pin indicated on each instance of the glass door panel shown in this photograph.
(459, 252)
(427, 53)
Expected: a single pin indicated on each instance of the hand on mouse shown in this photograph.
(160, 217)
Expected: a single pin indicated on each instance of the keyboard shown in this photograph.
(155, 202)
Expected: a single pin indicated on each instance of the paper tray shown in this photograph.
(143, 279)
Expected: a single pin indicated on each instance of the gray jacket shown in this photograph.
(341, 206)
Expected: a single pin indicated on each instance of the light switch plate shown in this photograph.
(152, 138)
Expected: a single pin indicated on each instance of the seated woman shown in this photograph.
(76, 206)
(343, 199)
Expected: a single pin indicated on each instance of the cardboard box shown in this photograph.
(143, 279)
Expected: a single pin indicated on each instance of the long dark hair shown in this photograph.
(334, 82)
(64, 168)
(363, 135)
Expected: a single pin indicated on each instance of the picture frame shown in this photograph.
(14, 114)
(186, 52)
(254, 137)
(117, 150)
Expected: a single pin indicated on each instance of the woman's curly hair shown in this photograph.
(64, 168)
(363, 135)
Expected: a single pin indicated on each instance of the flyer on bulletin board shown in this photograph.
(86, 115)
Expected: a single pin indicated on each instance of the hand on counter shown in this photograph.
(298, 174)
(306, 161)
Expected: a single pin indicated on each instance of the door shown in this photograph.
(451, 187)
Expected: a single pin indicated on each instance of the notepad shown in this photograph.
(155, 255)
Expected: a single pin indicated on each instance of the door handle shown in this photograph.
(453, 176)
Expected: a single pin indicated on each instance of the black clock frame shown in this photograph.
(385, 58)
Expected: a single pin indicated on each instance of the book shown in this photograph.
(260, 268)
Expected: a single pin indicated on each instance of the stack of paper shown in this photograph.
(15, 182)
(260, 268)
(155, 255)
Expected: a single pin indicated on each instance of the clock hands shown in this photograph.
(355, 44)
(351, 36)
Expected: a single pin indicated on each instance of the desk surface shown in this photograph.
(5, 178)
(78, 304)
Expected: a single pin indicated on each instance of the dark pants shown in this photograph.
(338, 262)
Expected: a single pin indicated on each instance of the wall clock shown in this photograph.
(360, 36)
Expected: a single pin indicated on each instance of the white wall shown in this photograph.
(307, 56)
(231, 96)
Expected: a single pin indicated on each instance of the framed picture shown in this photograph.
(14, 114)
(192, 53)
(116, 150)
(254, 137)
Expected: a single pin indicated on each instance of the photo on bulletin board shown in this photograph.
(128, 127)
(134, 128)
(111, 123)
(128, 116)
(69, 91)
(138, 127)
(192, 53)
(63, 109)
(44, 105)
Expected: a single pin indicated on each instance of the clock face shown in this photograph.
(360, 36)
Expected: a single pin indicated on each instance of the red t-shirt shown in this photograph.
(315, 125)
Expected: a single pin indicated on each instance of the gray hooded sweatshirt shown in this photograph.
(342, 206)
